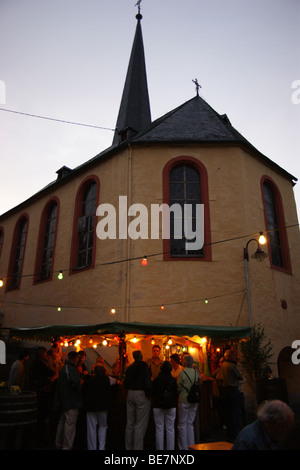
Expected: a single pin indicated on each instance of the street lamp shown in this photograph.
(259, 256)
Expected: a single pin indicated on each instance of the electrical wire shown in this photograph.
(57, 120)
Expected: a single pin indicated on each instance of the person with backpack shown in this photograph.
(164, 400)
(187, 404)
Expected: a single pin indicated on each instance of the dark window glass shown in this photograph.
(19, 256)
(185, 189)
(86, 224)
(47, 255)
(273, 227)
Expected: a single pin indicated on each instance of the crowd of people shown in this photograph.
(63, 384)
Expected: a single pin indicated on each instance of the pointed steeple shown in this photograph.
(134, 113)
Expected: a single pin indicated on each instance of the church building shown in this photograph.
(159, 232)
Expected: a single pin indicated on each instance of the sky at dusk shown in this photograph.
(67, 60)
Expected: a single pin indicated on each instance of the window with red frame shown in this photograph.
(86, 226)
(275, 224)
(185, 188)
(18, 254)
(48, 244)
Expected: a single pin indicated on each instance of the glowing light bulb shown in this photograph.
(144, 261)
(113, 311)
(60, 275)
(59, 309)
(162, 307)
(1, 283)
(104, 342)
(262, 239)
(206, 301)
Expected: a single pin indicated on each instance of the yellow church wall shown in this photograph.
(137, 292)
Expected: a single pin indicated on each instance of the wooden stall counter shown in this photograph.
(221, 445)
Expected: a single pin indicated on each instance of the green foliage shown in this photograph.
(256, 354)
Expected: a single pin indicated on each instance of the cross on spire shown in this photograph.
(138, 4)
(197, 86)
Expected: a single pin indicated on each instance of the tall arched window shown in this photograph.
(1, 239)
(17, 254)
(83, 249)
(275, 226)
(46, 242)
(185, 187)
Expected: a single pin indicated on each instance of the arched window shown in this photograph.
(17, 254)
(186, 193)
(275, 226)
(46, 243)
(1, 239)
(83, 249)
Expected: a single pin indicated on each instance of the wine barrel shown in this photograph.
(272, 389)
(18, 410)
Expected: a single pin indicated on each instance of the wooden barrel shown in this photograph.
(272, 389)
(18, 410)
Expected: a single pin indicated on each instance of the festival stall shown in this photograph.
(205, 343)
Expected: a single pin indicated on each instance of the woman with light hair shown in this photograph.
(186, 411)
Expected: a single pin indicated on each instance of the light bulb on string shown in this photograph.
(113, 311)
(59, 309)
(206, 301)
(60, 275)
(1, 283)
(144, 261)
(162, 307)
(262, 239)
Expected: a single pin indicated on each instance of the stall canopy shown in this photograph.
(52, 331)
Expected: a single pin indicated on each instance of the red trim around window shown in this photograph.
(40, 243)
(285, 251)
(204, 200)
(13, 253)
(2, 239)
(77, 213)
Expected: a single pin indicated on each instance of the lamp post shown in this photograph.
(259, 256)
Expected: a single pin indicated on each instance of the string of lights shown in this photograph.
(146, 257)
(113, 310)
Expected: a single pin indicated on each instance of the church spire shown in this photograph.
(134, 113)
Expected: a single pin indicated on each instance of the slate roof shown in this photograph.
(195, 121)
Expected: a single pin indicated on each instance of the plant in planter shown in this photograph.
(256, 357)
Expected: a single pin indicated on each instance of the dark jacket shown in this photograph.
(67, 393)
(138, 377)
(96, 393)
(160, 384)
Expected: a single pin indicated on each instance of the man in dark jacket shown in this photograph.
(68, 401)
(138, 383)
